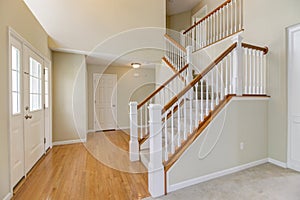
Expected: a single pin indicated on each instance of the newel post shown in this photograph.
(238, 66)
(133, 143)
(156, 180)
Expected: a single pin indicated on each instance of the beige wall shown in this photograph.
(179, 22)
(242, 121)
(129, 88)
(267, 27)
(69, 96)
(15, 14)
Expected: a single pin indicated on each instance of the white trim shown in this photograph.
(91, 131)
(16, 35)
(8, 196)
(277, 163)
(254, 98)
(58, 143)
(177, 186)
(289, 32)
(123, 127)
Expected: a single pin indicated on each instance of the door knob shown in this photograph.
(28, 116)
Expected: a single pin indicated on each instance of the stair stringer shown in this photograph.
(231, 129)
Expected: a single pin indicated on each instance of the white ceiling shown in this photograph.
(81, 26)
(179, 6)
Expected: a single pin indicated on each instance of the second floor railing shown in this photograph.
(222, 22)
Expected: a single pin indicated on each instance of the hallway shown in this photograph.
(71, 172)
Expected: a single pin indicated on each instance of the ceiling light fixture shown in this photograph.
(136, 65)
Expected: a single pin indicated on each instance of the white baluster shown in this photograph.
(221, 23)
(254, 72)
(222, 80)
(200, 35)
(179, 125)
(265, 74)
(227, 19)
(241, 15)
(201, 101)
(246, 70)
(191, 110)
(184, 118)
(217, 26)
(172, 131)
(258, 73)
(231, 17)
(217, 85)
(207, 96)
(166, 138)
(141, 123)
(235, 15)
(226, 76)
(250, 70)
(212, 104)
(261, 71)
(224, 21)
(230, 73)
(205, 33)
(208, 31)
(146, 119)
(197, 107)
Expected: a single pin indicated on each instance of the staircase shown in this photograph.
(170, 119)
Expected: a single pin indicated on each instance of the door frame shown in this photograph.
(48, 64)
(12, 33)
(94, 99)
(289, 32)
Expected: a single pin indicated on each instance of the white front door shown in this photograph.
(34, 109)
(16, 110)
(294, 97)
(105, 101)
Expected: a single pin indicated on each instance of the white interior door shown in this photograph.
(34, 109)
(16, 112)
(294, 97)
(105, 101)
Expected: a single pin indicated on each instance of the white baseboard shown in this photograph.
(278, 163)
(8, 196)
(177, 186)
(122, 128)
(68, 142)
(91, 131)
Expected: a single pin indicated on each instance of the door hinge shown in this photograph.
(44, 106)
(44, 71)
(44, 140)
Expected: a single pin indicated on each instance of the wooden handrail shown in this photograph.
(208, 15)
(175, 43)
(162, 86)
(198, 78)
(250, 46)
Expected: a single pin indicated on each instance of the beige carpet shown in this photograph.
(264, 182)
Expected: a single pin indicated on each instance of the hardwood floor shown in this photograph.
(73, 172)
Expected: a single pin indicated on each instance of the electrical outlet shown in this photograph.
(242, 145)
